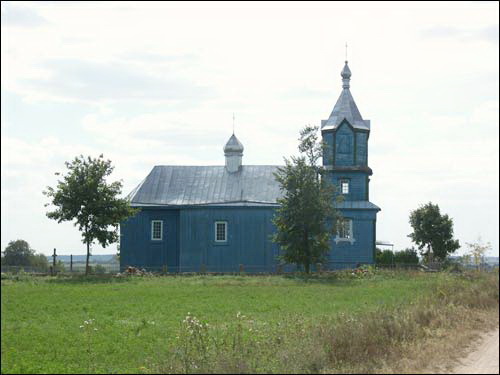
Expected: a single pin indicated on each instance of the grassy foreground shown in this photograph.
(333, 323)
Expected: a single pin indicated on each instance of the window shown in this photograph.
(344, 230)
(221, 231)
(157, 230)
(344, 186)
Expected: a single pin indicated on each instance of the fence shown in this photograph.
(77, 267)
(398, 266)
(113, 268)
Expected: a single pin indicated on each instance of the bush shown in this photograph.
(99, 269)
(407, 256)
(60, 266)
(39, 262)
(386, 257)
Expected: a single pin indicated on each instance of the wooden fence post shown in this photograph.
(242, 269)
(164, 269)
(54, 260)
(71, 263)
(280, 269)
(203, 269)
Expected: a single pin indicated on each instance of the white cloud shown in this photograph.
(489, 33)
(19, 16)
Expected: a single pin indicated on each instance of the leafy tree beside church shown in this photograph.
(432, 232)
(85, 196)
(306, 217)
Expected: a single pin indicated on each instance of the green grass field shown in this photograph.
(136, 319)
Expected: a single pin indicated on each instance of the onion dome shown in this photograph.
(233, 146)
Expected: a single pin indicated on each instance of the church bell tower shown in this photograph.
(345, 159)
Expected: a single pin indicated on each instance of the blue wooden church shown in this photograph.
(216, 218)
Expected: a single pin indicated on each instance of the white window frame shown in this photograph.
(342, 182)
(225, 231)
(351, 234)
(153, 222)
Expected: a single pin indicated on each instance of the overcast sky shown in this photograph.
(157, 83)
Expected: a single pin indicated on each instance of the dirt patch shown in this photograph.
(445, 349)
(483, 359)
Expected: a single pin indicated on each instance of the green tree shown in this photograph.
(18, 253)
(307, 216)
(40, 262)
(85, 196)
(477, 251)
(432, 232)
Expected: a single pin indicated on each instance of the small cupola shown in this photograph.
(346, 76)
(233, 151)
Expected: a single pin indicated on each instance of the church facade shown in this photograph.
(219, 218)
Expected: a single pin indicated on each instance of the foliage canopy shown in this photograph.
(307, 216)
(85, 196)
(20, 253)
(432, 232)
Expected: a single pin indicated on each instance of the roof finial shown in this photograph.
(233, 122)
(345, 51)
(346, 76)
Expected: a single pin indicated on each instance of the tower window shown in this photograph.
(221, 231)
(344, 186)
(344, 231)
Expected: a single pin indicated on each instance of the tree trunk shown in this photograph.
(88, 254)
(308, 256)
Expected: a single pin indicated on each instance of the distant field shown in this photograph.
(137, 319)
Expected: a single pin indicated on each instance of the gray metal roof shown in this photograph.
(358, 205)
(202, 185)
(345, 108)
(180, 185)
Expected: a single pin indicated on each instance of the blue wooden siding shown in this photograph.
(136, 247)
(189, 240)
(248, 239)
(361, 148)
(344, 145)
(361, 251)
(328, 149)
(357, 184)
